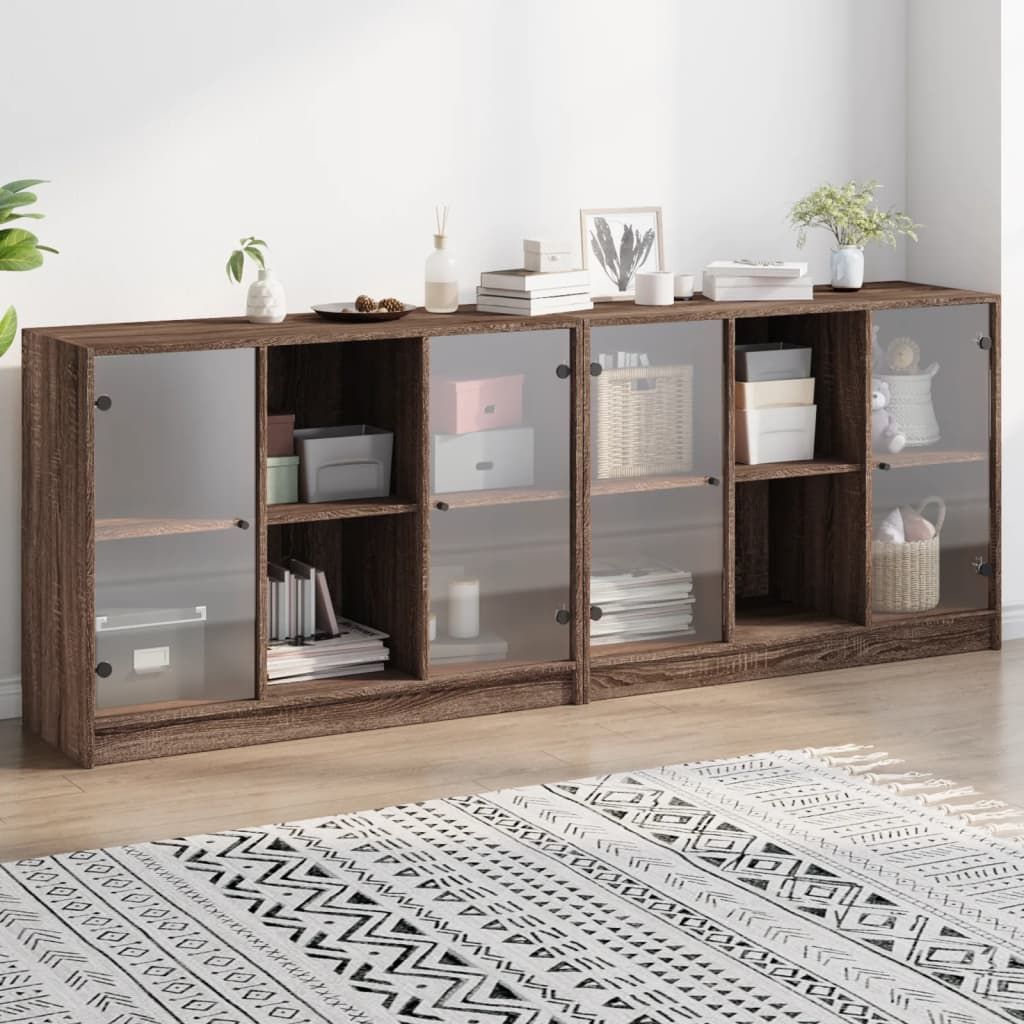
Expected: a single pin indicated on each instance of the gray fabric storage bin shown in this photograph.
(772, 361)
(344, 462)
(483, 460)
(154, 655)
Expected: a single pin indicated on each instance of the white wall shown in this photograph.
(331, 129)
(1013, 313)
(953, 129)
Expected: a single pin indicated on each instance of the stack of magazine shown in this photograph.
(308, 639)
(651, 602)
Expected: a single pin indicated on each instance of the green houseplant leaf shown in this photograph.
(19, 250)
(8, 200)
(8, 329)
(20, 186)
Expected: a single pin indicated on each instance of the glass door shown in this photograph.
(657, 507)
(175, 481)
(931, 506)
(499, 528)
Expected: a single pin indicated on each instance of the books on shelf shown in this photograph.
(651, 602)
(451, 651)
(521, 292)
(355, 649)
(308, 639)
(756, 268)
(757, 281)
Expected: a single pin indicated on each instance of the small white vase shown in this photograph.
(266, 301)
(848, 268)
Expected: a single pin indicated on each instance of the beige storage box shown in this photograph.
(764, 394)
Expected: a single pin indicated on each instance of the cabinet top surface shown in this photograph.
(305, 328)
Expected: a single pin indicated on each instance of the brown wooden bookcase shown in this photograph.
(793, 547)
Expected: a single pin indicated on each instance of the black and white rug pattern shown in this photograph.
(783, 888)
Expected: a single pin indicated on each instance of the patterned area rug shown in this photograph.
(783, 888)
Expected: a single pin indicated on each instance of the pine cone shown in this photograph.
(364, 304)
(392, 305)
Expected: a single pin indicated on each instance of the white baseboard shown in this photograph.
(1013, 621)
(10, 697)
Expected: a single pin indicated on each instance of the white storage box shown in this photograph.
(344, 462)
(784, 433)
(154, 655)
(542, 255)
(772, 361)
(483, 460)
(764, 394)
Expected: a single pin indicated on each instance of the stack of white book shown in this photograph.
(357, 649)
(532, 293)
(652, 602)
(757, 281)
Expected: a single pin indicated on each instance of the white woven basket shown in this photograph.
(905, 577)
(910, 401)
(643, 421)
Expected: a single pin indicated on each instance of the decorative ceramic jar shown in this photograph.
(266, 300)
(848, 268)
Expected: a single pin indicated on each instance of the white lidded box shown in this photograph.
(483, 460)
(344, 462)
(764, 394)
(152, 655)
(542, 255)
(783, 433)
(772, 361)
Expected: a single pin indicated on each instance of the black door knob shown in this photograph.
(563, 371)
(103, 403)
(104, 669)
(562, 616)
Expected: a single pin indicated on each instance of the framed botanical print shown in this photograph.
(616, 244)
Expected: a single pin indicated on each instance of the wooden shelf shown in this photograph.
(127, 527)
(772, 624)
(637, 484)
(788, 470)
(927, 457)
(359, 508)
(941, 611)
(599, 488)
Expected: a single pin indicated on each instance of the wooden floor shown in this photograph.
(961, 716)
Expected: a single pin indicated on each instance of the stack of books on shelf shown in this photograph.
(533, 293)
(653, 602)
(308, 639)
(757, 281)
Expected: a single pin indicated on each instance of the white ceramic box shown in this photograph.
(282, 479)
(542, 255)
(783, 433)
(764, 394)
(483, 460)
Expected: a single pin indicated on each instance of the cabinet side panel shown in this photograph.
(579, 468)
(729, 482)
(995, 472)
(58, 546)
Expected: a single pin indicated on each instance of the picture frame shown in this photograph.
(609, 235)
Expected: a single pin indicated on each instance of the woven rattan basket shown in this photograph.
(644, 421)
(905, 577)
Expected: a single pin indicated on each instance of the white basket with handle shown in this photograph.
(910, 401)
(905, 577)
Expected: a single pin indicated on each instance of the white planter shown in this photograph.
(266, 302)
(848, 268)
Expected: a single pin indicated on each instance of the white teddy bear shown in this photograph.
(885, 431)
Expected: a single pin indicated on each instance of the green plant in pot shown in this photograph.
(265, 302)
(19, 249)
(850, 213)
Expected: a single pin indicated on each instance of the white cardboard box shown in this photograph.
(483, 460)
(784, 433)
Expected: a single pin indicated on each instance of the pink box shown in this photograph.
(281, 435)
(464, 406)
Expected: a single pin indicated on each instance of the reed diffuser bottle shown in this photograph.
(441, 278)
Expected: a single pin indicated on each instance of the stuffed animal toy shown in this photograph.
(885, 431)
(891, 529)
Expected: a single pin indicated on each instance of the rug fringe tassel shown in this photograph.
(863, 761)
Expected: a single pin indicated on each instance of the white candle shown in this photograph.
(654, 288)
(684, 286)
(432, 627)
(464, 609)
